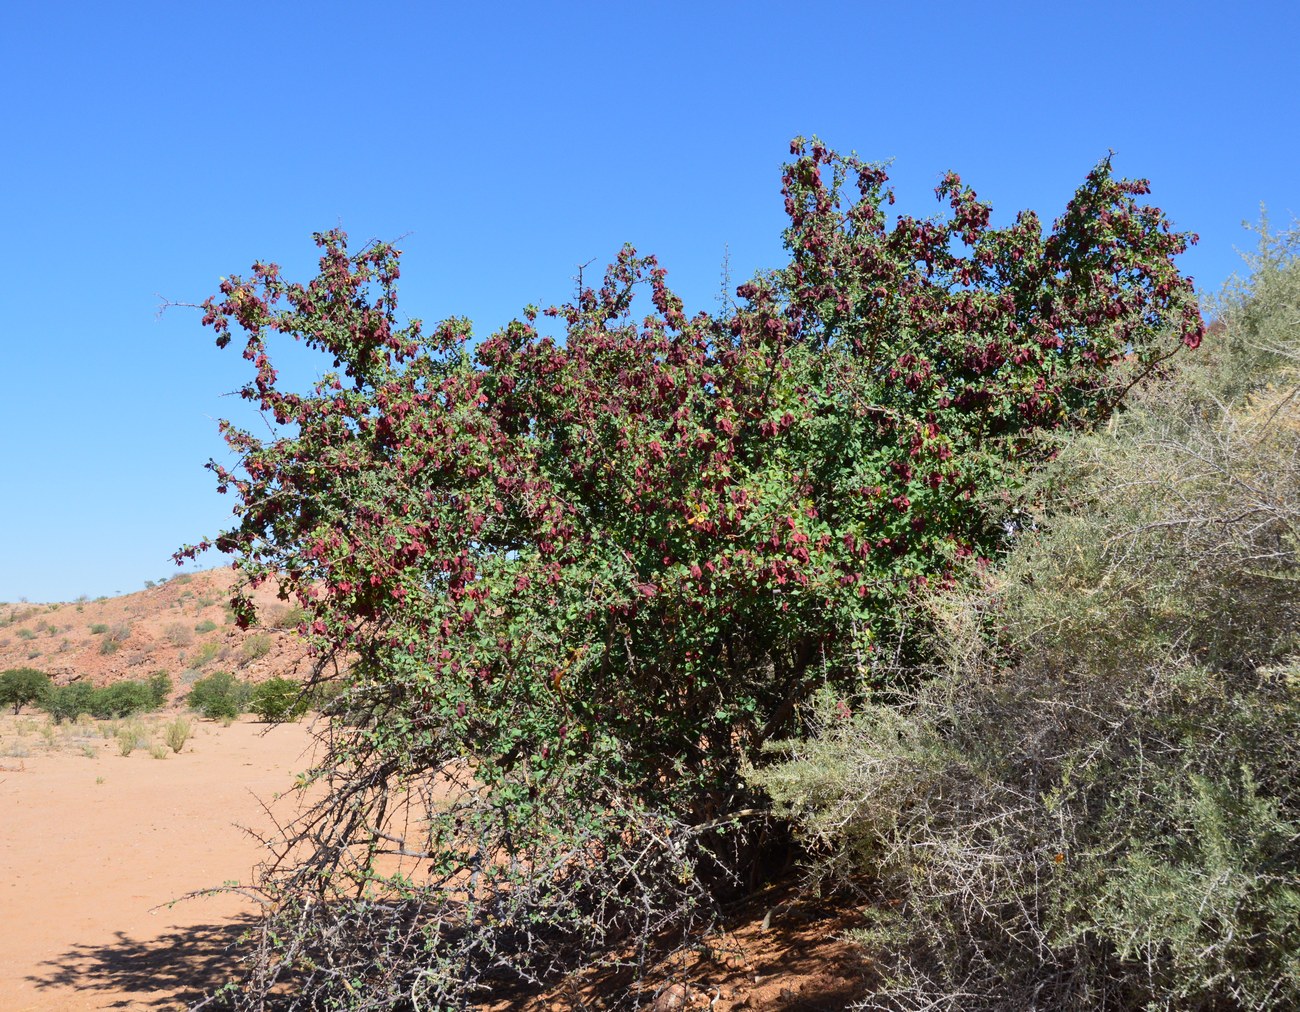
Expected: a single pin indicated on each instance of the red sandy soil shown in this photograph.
(92, 850)
(93, 847)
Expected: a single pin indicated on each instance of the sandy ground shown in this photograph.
(93, 845)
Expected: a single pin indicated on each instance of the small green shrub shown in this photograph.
(129, 738)
(68, 702)
(278, 700)
(160, 688)
(114, 638)
(177, 733)
(255, 646)
(98, 629)
(158, 750)
(220, 696)
(122, 699)
(205, 653)
(26, 634)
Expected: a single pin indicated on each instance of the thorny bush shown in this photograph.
(603, 566)
(1093, 804)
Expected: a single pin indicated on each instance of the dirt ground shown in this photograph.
(94, 844)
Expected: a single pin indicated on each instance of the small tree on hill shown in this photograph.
(20, 687)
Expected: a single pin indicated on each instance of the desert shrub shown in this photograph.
(1096, 804)
(204, 654)
(114, 638)
(177, 733)
(278, 700)
(98, 628)
(291, 618)
(255, 646)
(68, 702)
(206, 626)
(130, 736)
(160, 689)
(179, 635)
(121, 699)
(26, 634)
(596, 569)
(21, 687)
(219, 696)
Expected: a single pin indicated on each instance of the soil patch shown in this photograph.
(95, 845)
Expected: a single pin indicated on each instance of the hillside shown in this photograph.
(182, 626)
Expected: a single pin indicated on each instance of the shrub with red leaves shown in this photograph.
(637, 549)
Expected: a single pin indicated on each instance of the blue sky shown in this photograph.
(152, 148)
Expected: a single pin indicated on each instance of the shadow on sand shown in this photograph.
(165, 972)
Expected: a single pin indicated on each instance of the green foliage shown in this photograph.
(22, 686)
(1096, 802)
(205, 653)
(206, 626)
(177, 733)
(68, 702)
(603, 565)
(130, 736)
(98, 628)
(122, 699)
(114, 638)
(160, 688)
(220, 696)
(279, 700)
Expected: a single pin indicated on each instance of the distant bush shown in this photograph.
(68, 702)
(292, 618)
(98, 628)
(26, 634)
(177, 733)
(179, 634)
(220, 696)
(278, 700)
(129, 737)
(121, 699)
(20, 687)
(114, 638)
(255, 646)
(160, 688)
(204, 653)
(206, 626)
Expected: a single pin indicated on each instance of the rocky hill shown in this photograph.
(182, 626)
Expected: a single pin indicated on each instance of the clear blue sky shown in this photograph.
(151, 148)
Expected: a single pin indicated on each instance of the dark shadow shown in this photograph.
(180, 966)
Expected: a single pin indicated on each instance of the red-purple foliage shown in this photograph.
(650, 541)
